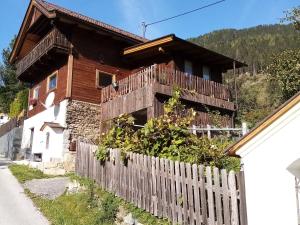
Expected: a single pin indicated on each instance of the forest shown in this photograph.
(272, 53)
(255, 45)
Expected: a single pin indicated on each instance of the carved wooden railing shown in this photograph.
(165, 76)
(53, 39)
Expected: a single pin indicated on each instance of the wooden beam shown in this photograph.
(70, 75)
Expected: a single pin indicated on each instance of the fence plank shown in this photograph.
(210, 198)
(178, 193)
(159, 198)
(183, 193)
(218, 196)
(154, 190)
(242, 193)
(190, 193)
(173, 192)
(163, 187)
(225, 198)
(196, 195)
(233, 195)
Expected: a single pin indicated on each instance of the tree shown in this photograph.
(294, 17)
(285, 71)
(9, 84)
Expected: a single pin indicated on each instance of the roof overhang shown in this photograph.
(232, 150)
(51, 125)
(171, 43)
(24, 26)
(52, 11)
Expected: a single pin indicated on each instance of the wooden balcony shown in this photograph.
(54, 39)
(163, 79)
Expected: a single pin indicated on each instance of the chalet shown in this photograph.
(95, 72)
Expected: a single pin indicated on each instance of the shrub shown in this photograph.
(167, 136)
(19, 104)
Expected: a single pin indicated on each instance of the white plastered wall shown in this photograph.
(56, 114)
(270, 186)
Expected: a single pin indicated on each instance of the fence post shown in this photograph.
(242, 193)
(208, 131)
(244, 128)
(194, 131)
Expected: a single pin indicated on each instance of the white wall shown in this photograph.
(4, 119)
(270, 187)
(56, 149)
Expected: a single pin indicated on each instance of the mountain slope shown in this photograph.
(255, 45)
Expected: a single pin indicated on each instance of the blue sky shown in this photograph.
(129, 14)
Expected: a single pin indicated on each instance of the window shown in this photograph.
(188, 67)
(206, 73)
(104, 79)
(36, 91)
(31, 137)
(52, 81)
(47, 140)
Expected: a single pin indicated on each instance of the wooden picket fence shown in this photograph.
(181, 192)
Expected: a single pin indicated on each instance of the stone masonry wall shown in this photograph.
(83, 120)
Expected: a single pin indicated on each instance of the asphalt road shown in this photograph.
(15, 207)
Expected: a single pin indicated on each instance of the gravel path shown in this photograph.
(15, 207)
(50, 188)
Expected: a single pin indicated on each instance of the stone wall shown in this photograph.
(83, 120)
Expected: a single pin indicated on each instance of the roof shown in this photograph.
(51, 7)
(51, 125)
(52, 11)
(173, 43)
(264, 124)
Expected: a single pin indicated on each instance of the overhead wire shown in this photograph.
(178, 15)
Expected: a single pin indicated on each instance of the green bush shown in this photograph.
(167, 136)
(19, 104)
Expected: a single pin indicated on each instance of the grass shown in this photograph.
(93, 206)
(24, 173)
(67, 209)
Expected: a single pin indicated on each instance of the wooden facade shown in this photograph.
(54, 39)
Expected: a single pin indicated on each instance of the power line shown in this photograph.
(144, 25)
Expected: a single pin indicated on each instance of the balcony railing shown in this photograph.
(53, 39)
(165, 76)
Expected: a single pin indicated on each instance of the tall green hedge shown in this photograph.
(19, 104)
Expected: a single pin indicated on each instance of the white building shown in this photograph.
(3, 118)
(43, 133)
(270, 155)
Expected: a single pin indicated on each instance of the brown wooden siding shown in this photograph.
(60, 91)
(98, 53)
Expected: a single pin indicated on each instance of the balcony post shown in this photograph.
(235, 84)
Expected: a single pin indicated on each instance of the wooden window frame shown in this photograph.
(191, 64)
(114, 78)
(48, 81)
(209, 71)
(38, 93)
